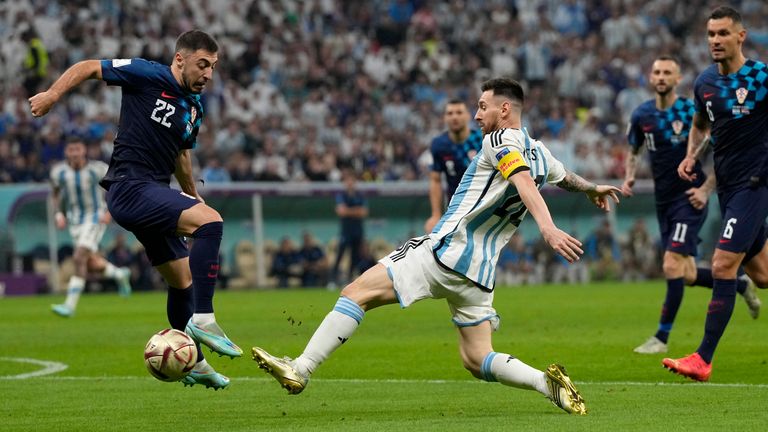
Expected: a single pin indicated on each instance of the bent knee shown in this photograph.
(474, 363)
(209, 214)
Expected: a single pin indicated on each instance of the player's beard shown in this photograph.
(665, 90)
(189, 84)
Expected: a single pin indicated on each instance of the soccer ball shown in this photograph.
(170, 355)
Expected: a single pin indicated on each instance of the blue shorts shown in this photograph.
(679, 225)
(744, 212)
(151, 212)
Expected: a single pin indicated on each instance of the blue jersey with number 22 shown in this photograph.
(158, 119)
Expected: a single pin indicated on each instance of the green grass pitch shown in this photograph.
(400, 371)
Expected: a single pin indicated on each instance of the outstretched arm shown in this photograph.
(598, 194)
(41, 103)
(563, 243)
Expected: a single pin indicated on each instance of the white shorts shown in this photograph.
(87, 235)
(417, 275)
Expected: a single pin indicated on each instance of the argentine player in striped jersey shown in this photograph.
(732, 107)
(661, 125)
(457, 260)
(79, 201)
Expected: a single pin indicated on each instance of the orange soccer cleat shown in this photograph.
(693, 367)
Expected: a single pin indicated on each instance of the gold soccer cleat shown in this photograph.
(288, 377)
(563, 392)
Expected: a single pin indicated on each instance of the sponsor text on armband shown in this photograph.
(510, 162)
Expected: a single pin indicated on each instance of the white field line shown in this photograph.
(399, 381)
(48, 367)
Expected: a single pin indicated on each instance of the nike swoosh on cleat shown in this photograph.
(708, 95)
(167, 96)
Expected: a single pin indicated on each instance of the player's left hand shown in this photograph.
(41, 103)
(106, 218)
(563, 243)
(599, 196)
(697, 197)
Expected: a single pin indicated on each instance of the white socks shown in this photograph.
(335, 329)
(203, 319)
(510, 371)
(202, 366)
(111, 271)
(74, 289)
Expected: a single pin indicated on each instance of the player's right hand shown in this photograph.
(685, 169)
(61, 220)
(562, 242)
(41, 103)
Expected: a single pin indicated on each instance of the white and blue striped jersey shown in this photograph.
(79, 190)
(486, 209)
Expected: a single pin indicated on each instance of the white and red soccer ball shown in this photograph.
(170, 355)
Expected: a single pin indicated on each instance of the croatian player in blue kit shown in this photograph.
(661, 126)
(457, 260)
(160, 117)
(731, 104)
(452, 152)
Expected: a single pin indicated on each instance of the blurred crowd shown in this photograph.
(305, 89)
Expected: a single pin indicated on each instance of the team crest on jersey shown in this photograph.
(192, 114)
(677, 127)
(741, 95)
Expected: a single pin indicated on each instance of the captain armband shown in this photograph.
(510, 163)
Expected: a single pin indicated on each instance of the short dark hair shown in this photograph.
(725, 12)
(194, 40)
(668, 57)
(73, 139)
(505, 87)
(455, 101)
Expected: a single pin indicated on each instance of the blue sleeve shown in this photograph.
(698, 104)
(340, 198)
(634, 132)
(134, 72)
(438, 165)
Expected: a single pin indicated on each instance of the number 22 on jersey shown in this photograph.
(162, 111)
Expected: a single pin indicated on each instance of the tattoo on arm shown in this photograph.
(575, 183)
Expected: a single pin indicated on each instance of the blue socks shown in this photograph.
(704, 279)
(718, 315)
(672, 303)
(179, 308)
(204, 263)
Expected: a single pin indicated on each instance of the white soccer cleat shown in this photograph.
(652, 346)
(563, 393)
(281, 369)
(751, 298)
(62, 310)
